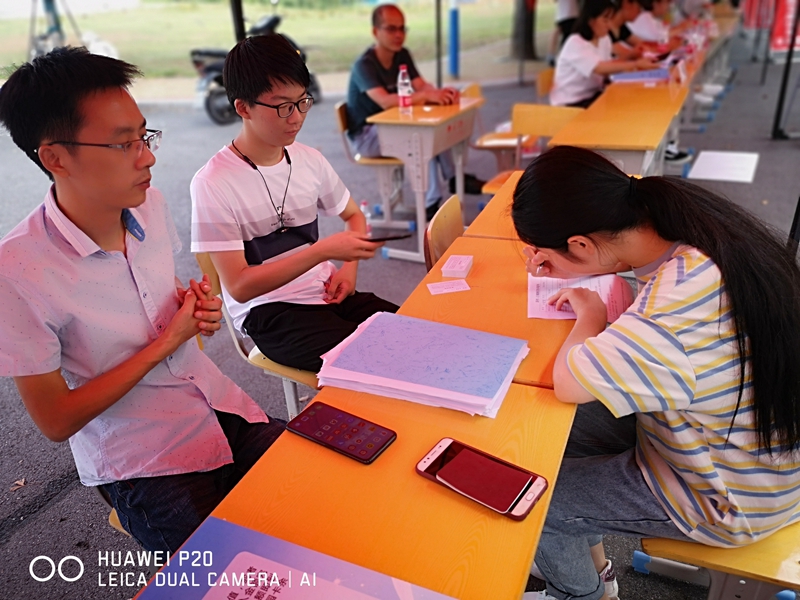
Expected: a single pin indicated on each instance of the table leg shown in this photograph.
(458, 160)
(416, 165)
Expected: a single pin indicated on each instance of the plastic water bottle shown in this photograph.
(404, 91)
(367, 215)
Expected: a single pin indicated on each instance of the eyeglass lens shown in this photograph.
(287, 108)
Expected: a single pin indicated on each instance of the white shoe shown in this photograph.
(610, 581)
(542, 595)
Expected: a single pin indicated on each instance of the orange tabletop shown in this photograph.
(386, 517)
(497, 303)
(427, 116)
(494, 221)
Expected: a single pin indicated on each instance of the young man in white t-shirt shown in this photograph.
(255, 208)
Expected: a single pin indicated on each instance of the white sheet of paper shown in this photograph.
(614, 290)
(725, 166)
(447, 287)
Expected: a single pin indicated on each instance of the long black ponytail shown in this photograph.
(570, 191)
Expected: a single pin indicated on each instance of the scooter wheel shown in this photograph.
(219, 107)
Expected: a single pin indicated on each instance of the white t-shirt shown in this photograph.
(566, 9)
(231, 210)
(574, 78)
(649, 28)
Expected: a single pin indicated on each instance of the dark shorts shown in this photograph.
(297, 335)
(161, 512)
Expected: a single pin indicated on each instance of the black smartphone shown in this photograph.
(486, 479)
(389, 238)
(343, 432)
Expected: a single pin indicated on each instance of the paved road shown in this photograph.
(54, 515)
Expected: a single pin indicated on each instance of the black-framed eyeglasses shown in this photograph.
(285, 109)
(152, 141)
(392, 29)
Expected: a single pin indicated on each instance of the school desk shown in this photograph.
(416, 139)
(494, 221)
(387, 518)
(496, 302)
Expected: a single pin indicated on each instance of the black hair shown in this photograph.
(591, 9)
(646, 5)
(571, 191)
(378, 12)
(257, 63)
(41, 99)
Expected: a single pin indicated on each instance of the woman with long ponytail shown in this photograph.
(689, 418)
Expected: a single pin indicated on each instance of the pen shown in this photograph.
(539, 268)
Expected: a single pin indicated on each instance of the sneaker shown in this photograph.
(609, 578)
(472, 185)
(542, 595)
(431, 210)
(678, 157)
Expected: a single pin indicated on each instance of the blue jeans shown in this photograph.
(161, 512)
(600, 489)
(366, 144)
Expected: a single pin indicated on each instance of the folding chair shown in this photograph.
(536, 121)
(445, 226)
(290, 376)
(390, 176)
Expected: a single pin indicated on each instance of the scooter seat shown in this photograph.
(207, 53)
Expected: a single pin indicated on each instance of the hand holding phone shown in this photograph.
(341, 431)
(486, 479)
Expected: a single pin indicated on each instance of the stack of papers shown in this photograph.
(426, 362)
(614, 291)
(637, 76)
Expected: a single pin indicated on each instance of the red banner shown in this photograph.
(784, 18)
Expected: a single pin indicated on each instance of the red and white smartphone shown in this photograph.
(486, 479)
(341, 431)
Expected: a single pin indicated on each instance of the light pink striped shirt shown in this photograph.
(69, 304)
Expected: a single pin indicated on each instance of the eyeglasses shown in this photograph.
(152, 141)
(392, 29)
(285, 109)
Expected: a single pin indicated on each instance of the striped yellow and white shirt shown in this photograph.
(671, 359)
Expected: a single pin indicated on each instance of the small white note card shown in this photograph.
(457, 265)
(615, 292)
(448, 287)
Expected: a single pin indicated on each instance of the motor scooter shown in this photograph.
(209, 62)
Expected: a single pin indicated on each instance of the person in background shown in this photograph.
(98, 333)
(625, 44)
(373, 88)
(586, 58)
(651, 25)
(688, 420)
(566, 16)
(255, 209)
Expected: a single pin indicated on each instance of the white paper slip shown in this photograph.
(615, 292)
(447, 287)
(725, 166)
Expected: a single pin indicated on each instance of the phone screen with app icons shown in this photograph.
(343, 432)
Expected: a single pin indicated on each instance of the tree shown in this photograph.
(523, 39)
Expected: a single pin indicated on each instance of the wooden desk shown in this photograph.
(416, 139)
(494, 221)
(497, 302)
(625, 126)
(386, 517)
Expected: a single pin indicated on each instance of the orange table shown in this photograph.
(386, 517)
(416, 139)
(496, 302)
(494, 221)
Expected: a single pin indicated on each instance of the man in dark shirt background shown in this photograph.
(373, 88)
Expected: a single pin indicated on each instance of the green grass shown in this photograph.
(158, 37)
